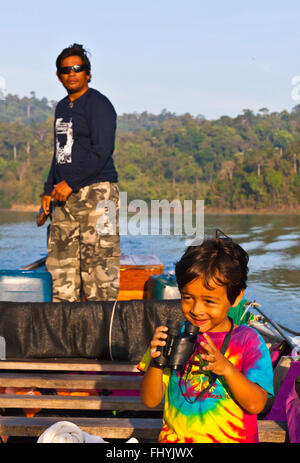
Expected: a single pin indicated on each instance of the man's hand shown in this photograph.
(61, 191)
(46, 201)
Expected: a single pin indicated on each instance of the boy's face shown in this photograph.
(206, 308)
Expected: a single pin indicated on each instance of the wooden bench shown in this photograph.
(102, 415)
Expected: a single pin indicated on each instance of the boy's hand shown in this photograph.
(217, 363)
(249, 395)
(158, 340)
(152, 387)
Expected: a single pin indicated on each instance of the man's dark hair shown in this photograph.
(220, 260)
(74, 50)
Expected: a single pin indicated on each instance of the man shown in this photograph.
(84, 241)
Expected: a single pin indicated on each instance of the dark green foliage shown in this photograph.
(250, 161)
(26, 109)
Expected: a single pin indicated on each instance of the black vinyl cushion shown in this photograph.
(81, 330)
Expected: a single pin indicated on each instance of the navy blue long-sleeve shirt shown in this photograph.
(84, 137)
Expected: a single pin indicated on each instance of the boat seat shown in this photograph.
(67, 392)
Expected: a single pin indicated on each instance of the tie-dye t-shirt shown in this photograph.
(216, 416)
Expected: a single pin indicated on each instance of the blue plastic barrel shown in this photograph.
(25, 286)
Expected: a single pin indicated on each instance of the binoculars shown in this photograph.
(179, 346)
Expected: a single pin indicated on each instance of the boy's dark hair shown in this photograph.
(221, 260)
(74, 50)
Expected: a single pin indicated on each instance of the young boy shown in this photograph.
(211, 278)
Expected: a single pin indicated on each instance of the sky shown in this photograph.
(210, 58)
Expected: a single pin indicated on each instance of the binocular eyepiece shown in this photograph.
(179, 346)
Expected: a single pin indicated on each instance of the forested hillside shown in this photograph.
(250, 161)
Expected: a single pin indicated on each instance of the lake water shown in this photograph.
(272, 241)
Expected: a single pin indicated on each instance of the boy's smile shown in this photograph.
(206, 308)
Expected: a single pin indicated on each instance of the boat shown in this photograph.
(147, 297)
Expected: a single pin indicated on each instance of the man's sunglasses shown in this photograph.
(76, 68)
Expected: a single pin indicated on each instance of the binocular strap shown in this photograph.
(213, 376)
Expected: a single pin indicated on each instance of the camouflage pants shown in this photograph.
(84, 245)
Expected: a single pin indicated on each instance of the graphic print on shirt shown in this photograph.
(64, 141)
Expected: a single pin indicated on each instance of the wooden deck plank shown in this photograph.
(76, 381)
(73, 402)
(68, 365)
(272, 431)
(122, 428)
